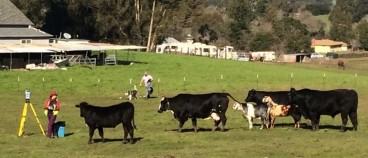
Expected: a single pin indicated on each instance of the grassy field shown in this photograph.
(156, 134)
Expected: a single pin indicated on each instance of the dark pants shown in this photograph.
(50, 126)
(148, 91)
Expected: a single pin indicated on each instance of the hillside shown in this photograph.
(324, 19)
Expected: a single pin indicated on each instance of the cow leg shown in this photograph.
(101, 133)
(354, 120)
(181, 124)
(131, 133)
(297, 124)
(194, 123)
(216, 125)
(314, 121)
(296, 121)
(317, 121)
(125, 140)
(313, 125)
(344, 119)
(223, 120)
(91, 131)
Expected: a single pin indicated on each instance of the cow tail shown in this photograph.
(232, 97)
(133, 124)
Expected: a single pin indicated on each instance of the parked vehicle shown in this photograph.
(316, 55)
(263, 56)
(332, 55)
(243, 56)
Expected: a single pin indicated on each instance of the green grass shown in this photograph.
(157, 132)
(324, 19)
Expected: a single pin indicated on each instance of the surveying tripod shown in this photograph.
(24, 115)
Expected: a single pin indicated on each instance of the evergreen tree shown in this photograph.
(293, 35)
(362, 30)
(261, 41)
(240, 11)
(34, 9)
(341, 28)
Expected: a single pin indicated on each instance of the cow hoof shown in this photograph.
(125, 141)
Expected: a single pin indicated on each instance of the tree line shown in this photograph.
(284, 26)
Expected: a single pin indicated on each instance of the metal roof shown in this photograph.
(25, 48)
(22, 32)
(11, 15)
(63, 47)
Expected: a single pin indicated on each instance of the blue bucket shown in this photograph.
(60, 128)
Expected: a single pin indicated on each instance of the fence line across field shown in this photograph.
(19, 82)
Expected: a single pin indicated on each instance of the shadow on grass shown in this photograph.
(68, 134)
(326, 127)
(305, 126)
(199, 130)
(278, 125)
(99, 140)
(124, 62)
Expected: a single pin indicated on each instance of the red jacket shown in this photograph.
(47, 103)
(56, 106)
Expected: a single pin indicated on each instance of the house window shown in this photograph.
(24, 41)
(53, 41)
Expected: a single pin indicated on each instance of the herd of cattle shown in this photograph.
(265, 105)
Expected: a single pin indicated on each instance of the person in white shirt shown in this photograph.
(147, 80)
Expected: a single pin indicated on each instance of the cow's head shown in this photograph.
(252, 96)
(82, 106)
(164, 105)
(298, 101)
(293, 96)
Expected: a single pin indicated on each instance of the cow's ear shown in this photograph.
(292, 89)
(77, 105)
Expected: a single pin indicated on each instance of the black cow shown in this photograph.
(193, 106)
(316, 103)
(279, 97)
(108, 117)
